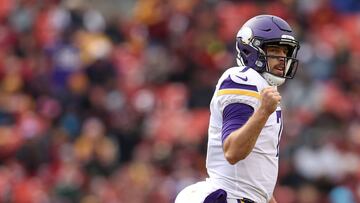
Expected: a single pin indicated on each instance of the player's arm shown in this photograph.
(240, 142)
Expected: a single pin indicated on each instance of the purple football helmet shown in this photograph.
(259, 32)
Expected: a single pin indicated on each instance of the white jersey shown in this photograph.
(255, 176)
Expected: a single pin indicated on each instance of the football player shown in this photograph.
(246, 121)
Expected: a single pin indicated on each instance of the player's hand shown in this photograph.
(270, 98)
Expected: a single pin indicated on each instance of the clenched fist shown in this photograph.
(270, 98)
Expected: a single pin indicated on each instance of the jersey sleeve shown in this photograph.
(235, 89)
(234, 117)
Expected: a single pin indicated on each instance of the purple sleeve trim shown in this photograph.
(234, 117)
(229, 84)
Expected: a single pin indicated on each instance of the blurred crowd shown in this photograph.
(106, 107)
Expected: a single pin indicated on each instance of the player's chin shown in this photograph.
(279, 73)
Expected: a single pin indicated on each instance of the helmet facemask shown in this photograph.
(290, 62)
(254, 53)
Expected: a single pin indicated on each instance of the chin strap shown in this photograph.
(272, 79)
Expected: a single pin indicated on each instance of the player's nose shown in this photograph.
(282, 58)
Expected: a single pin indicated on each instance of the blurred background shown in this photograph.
(107, 101)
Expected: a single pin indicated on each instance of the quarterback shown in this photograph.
(246, 120)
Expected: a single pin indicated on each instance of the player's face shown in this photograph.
(276, 60)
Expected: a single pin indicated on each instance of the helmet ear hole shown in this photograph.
(246, 52)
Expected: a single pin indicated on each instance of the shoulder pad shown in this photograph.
(238, 86)
(230, 86)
